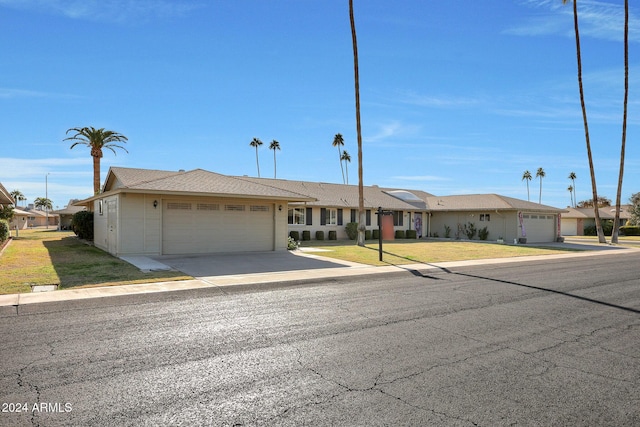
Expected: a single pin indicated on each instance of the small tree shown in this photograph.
(82, 225)
(470, 230)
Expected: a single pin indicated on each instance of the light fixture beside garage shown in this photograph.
(280, 207)
(155, 204)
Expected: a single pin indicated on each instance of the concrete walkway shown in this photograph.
(264, 268)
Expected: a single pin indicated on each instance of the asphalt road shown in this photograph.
(546, 343)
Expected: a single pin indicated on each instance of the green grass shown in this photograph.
(400, 252)
(44, 257)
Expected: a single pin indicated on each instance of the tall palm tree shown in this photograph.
(17, 196)
(527, 175)
(255, 142)
(361, 213)
(347, 159)
(338, 141)
(540, 173)
(616, 221)
(43, 203)
(97, 140)
(573, 177)
(275, 145)
(594, 189)
(570, 190)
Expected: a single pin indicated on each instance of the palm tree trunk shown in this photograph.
(341, 168)
(257, 162)
(274, 164)
(616, 221)
(592, 172)
(361, 213)
(528, 197)
(540, 195)
(96, 175)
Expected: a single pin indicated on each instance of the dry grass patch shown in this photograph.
(409, 252)
(44, 257)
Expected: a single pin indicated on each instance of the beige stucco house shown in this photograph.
(576, 219)
(154, 212)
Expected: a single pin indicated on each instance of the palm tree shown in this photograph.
(255, 142)
(43, 203)
(570, 190)
(96, 139)
(616, 221)
(347, 159)
(540, 174)
(275, 145)
(527, 175)
(338, 141)
(361, 213)
(594, 189)
(573, 177)
(17, 196)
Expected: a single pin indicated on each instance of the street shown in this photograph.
(533, 343)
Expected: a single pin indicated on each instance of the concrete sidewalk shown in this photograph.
(338, 269)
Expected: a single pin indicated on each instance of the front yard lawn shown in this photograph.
(401, 252)
(44, 257)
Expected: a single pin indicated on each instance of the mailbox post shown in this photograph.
(380, 213)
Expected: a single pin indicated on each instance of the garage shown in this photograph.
(210, 226)
(539, 227)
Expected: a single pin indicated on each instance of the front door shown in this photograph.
(112, 230)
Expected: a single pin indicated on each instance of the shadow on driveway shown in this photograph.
(243, 263)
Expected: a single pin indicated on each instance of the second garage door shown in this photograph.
(192, 226)
(540, 228)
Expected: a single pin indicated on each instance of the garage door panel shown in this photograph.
(540, 228)
(208, 227)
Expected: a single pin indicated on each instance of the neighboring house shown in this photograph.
(337, 204)
(66, 214)
(38, 218)
(575, 220)
(20, 219)
(505, 217)
(152, 212)
(5, 197)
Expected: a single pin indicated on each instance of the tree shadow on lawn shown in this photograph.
(78, 263)
(418, 273)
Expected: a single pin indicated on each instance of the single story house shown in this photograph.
(504, 217)
(20, 219)
(155, 212)
(575, 220)
(5, 197)
(40, 218)
(66, 214)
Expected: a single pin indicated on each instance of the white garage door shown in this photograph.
(540, 228)
(190, 227)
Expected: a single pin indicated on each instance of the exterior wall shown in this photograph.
(503, 224)
(341, 234)
(20, 222)
(139, 225)
(100, 222)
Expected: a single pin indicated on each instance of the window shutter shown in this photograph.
(309, 216)
(368, 213)
(400, 218)
(339, 216)
(323, 216)
(353, 215)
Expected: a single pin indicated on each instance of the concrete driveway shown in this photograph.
(208, 265)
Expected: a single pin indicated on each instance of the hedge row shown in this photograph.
(4, 230)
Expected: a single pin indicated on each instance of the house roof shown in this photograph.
(197, 182)
(5, 197)
(342, 195)
(607, 212)
(476, 202)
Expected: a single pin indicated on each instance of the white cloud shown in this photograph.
(37, 168)
(393, 129)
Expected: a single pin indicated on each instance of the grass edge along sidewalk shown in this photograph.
(50, 257)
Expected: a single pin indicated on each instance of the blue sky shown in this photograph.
(456, 97)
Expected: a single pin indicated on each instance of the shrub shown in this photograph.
(292, 244)
(4, 230)
(630, 230)
(399, 234)
(367, 235)
(82, 224)
(470, 230)
(607, 228)
(352, 230)
(412, 234)
(447, 231)
(319, 235)
(306, 235)
(375, 234)
(333, 235)
(483, 233)
(295, 235)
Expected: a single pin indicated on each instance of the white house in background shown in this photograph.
(154, 212)
(20, 219)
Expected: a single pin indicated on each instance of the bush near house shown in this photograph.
(470, 230)
(295, 235)
(399, 234)
(483, 233)
(375, 234)
(352, 230)
(319, 235)
(411, 234)
(306, 235)
(607, 228)
(630, 230)
(82, 224)
(367, 235)
(4, 230)
(333, 235)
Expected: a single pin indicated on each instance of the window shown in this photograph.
(297, 216)
(485, 217)
(398, 218)
(208, 206)
(234, 208)
(259, 208)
